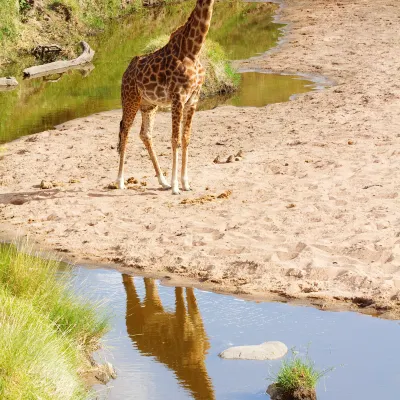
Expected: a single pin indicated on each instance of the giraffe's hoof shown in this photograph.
(176, 191)
(185, 184)
(121, 185)
(166, 187)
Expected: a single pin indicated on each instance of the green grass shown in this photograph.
(297, 373)
(9, 14)
(221, 77)
(46, 331)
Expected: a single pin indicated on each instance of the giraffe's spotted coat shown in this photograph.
(172, 75)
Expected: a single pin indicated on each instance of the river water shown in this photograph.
(165, 343)
(242, 29)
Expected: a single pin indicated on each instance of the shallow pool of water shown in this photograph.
(165, 343)
(242, 29)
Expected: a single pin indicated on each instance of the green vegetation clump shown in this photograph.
(298, 376)
(25, 24)
(221, 77)
(297, 373)
(46, 332)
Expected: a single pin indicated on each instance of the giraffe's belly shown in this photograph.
(158, 97)
(161, 93)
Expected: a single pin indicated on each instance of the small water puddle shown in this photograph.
(165, 343)
(242, 29)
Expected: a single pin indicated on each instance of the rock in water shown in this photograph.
(263, 351)
(105, 372)
(8, 81)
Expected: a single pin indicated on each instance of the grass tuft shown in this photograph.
(46, 331)
(297, 373)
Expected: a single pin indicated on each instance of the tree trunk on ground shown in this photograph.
(61, 66)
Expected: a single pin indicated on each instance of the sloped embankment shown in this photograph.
(46, 332)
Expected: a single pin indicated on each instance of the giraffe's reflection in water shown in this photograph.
(176, 339)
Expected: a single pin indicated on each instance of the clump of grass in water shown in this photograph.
(46, 331)
(221, 77)
(298, 378)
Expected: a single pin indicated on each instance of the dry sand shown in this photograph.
(314, 212)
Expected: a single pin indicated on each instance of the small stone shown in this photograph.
(240, 154)
(350, 142)
(74, 181)
(230, 159)
(105, 372)
(216, 160)
(53, 217)
(264, 351)
(291, 205)
(112, 186)
(46, 185)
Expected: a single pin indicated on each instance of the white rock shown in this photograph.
(263, 351)
(8, 81)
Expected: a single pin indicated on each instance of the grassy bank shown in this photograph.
(46, 332)
(25, 24)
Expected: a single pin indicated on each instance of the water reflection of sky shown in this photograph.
(364, 349)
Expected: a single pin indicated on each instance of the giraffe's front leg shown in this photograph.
(177, 110)
(187, 128)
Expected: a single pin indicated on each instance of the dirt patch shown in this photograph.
(299, 394)
(316, 216)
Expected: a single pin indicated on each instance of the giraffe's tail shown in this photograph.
(121, 128)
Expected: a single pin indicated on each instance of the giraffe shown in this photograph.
(172, 75)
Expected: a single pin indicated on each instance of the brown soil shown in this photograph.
(313, 213)
(299, 394)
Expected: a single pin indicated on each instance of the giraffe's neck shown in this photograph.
(191, 37)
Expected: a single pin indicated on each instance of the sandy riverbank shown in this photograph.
(314, 210)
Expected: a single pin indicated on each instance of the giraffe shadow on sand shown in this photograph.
(176, 339)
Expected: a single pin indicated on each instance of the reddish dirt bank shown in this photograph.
(314, 210)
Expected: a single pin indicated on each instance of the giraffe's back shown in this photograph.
(160, 76)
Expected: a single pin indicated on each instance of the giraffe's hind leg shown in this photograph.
(177, 111)
(130, 107)
(148, 115)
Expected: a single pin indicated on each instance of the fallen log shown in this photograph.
(8, 83)
(61, 66)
